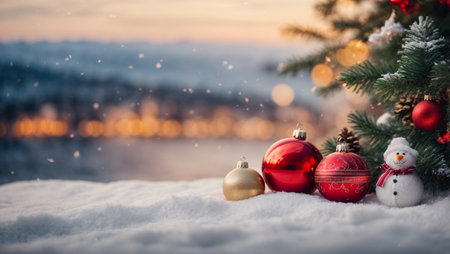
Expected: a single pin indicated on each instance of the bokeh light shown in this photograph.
(170, 129)
(355, 52)
(282, 95)
(322, 75)
(39, 127)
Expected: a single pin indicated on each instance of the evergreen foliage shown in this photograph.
(408, 65)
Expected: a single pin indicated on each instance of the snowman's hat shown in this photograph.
(400, 144)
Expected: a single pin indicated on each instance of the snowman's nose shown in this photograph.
(399, 157)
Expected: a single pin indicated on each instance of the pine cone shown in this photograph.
(351, 139)
(404, 107)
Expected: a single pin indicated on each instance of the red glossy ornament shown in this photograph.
(343, 176)
(396, 3)
(427, 115)
(289, 164)
(445, 2)
(406, 6)
(409, 6)
(444, 139)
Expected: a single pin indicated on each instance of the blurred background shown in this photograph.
(157, 90)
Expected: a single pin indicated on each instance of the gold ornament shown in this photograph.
(242, 182)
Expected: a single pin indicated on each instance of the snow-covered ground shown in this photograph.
(58, 216)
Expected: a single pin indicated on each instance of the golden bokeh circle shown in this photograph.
(322, 75)
(282, 95)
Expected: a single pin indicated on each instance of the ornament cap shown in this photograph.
(429, 97)
(299, 133)
(242, 163)
(342, 146)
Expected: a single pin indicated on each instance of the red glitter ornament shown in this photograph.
(427, 115)
(343, 176)
(289, 164)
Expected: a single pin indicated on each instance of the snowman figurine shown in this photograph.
(399, 185)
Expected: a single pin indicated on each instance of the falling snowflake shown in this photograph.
(51, 160)
(158, 65)
(95, 105)
(76, 154)
(141, 55)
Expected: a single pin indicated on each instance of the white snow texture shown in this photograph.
(385, 119)
(57, 216)
(386, 32)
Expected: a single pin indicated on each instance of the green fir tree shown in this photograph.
(408, 65)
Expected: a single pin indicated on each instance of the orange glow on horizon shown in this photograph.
(254, 21)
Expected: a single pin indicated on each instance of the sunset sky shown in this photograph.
(219, 21)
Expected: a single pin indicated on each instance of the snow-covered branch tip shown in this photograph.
(387, 31)
(423, 34)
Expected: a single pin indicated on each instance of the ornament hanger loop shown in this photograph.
(342, 145)
(242, 163)
(299, 132)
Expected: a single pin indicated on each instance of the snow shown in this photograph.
(395, 75)
(56, 216)
(387, 31)
(429, 46)
(423, 35)
(385, 119)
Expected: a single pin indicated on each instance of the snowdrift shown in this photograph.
(58, 216)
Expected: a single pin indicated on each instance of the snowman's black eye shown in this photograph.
(404, 153)
(398, 153)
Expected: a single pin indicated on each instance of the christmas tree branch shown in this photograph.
(326, 8)
(329, 146)
(377, 136)
(362, 77)
(440, 75)
(295, 30)
(293, 65)
(329, 90)
(392, 86)
(345, 24)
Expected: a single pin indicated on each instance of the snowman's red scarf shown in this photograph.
(389, 171)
